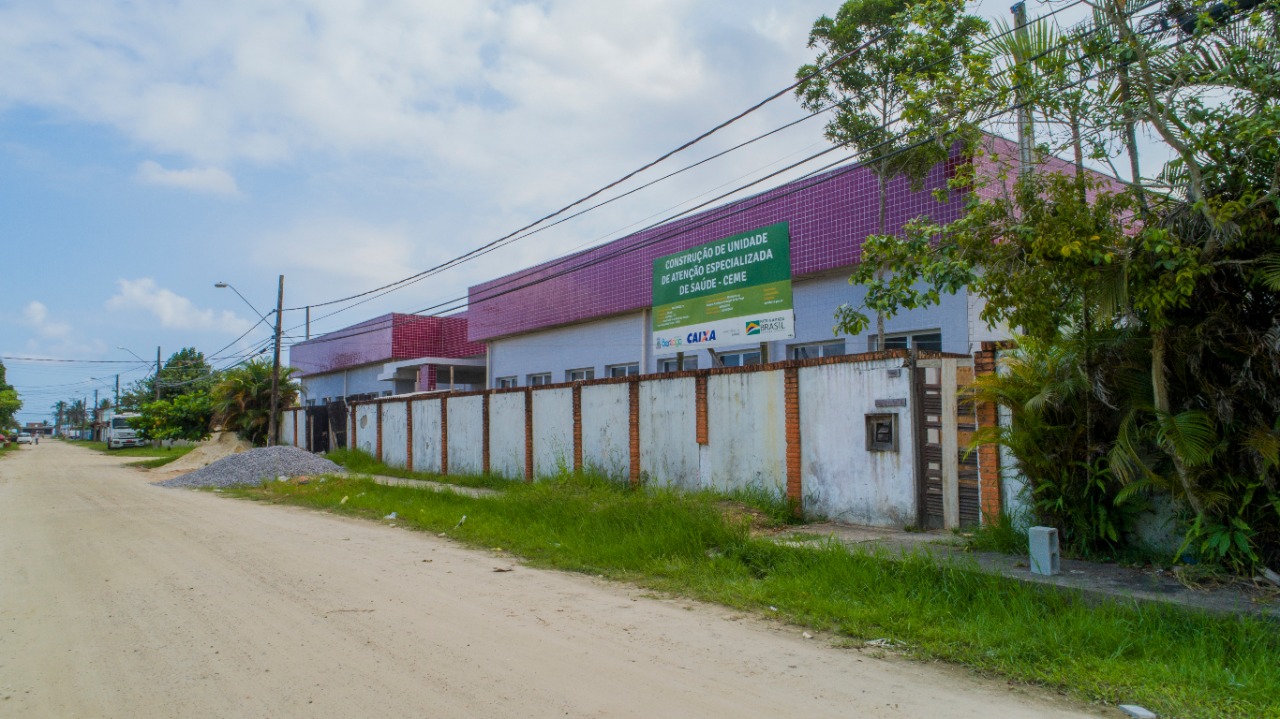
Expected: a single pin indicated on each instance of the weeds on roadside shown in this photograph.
(1172, 660)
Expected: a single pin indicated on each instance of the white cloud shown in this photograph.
(197, 179)
(36, 316)
(173, 310)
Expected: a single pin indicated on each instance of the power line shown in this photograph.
(738, 208)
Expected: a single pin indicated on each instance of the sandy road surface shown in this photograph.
(120, 599)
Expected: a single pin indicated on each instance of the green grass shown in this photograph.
(159, 456)
(1174, 661)
(360, 462)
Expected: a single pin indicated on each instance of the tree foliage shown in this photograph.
(185, 417)
(242, 398)
(1150, 312)
(10, 402)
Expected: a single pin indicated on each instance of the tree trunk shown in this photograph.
(1160, 398)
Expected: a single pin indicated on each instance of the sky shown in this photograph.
(151, 149)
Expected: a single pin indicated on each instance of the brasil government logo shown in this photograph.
(753, 327)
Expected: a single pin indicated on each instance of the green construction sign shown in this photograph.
(732, 291)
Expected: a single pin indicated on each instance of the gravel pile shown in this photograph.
(255, 465)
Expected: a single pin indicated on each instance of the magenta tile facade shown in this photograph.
(829, 216)
(385, 339)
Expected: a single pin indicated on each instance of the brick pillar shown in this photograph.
(444, 435)
(377, 442)
(528, 435)
(295, 428)
(484, 434)
(700, 409)
(577, 428)
(633, 412)
(408, 433)
(795, 488)
(984, 363)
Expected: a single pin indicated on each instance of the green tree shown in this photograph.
(185, 371)
(242, 398)
(876, 59)
(1185, 274)
(10, 402)
(187, 416)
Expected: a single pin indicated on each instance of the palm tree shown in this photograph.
(242, 398)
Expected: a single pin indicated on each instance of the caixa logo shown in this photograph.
(694, 338)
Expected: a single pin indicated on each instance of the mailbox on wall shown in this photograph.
(882, 432)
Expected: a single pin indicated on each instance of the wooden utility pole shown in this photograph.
(275, 371)
(1026, 131)
(157, 374)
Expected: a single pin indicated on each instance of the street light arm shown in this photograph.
(228, 285)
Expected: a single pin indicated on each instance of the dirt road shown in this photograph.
(120, 599)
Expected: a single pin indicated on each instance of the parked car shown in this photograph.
(25, 438)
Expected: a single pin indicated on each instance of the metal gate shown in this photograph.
(317, 429)
(947, 472)
(337, 424)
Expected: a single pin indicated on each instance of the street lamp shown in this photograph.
(275, 363)
(225, 286)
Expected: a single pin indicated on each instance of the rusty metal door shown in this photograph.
(337, 424)
(318, 429)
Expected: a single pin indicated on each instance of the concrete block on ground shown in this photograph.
(1045, 558)
(1138, 712)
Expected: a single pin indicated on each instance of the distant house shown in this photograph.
(392, 354)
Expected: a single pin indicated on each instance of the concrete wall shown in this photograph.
(426, 435)
(667, 415)
(506, 435)
(841, 479)
(287, 420)
(606, 430)
(366, 427)
(552, 431)
(466, 435)
(746, 433)
(748, 417)
(395, 434)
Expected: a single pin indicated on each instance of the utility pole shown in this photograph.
(275, 369)
(95, 415)
(157, 374)
(117, 403)
(308, 321)
(1026, 131)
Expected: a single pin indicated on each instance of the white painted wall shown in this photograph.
(668, 413)
(366, 419)
(426, 435)
(395, 435)
(506, 435)
(466, 435)
(746, 432)
(287, 421)
(606, 430)
(841, 479)
(552, 431)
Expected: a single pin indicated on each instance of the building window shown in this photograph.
(740, 359)
(624, 370)
(506, 382)
(927, 340)
(537, 380)
(669, 364)
(813, 350)
(579, 375)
